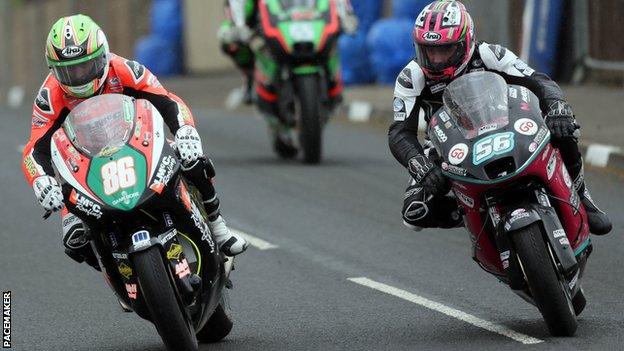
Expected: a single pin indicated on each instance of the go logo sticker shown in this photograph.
(458, 154)
(526, 126)
(491, 146)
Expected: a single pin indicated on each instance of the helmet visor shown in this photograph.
(80, 71)
(437, 58)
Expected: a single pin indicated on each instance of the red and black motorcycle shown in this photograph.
(527, 224)
(146, 223)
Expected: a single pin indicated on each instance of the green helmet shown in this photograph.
(77, 53)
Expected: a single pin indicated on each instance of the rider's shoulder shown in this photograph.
(128, 71)
(49, 98)
(495, 55)
(411, 78)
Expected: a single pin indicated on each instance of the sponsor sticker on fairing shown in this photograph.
(458, 153)
(504, 257)
(440, 134)
(182, 269)
(513, 92)
(526, 126)
(465, 199)
(164, 174)
(552, 163)
(558, 233)
(524, 92)
(85, 205)
(202, 226)
(454, 169)
(444, 116)
(131, 289)
(487, 128)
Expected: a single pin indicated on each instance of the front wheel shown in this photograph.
(156, 286)
(311, 119)
(546, 286)
(217, 327)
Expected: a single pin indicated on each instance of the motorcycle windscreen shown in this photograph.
(478, 103)
(101, 125)
(298, 4)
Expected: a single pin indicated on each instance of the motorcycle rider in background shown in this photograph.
(445, 49)
(82, 66)
(235, 35)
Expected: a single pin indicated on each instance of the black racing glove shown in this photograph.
(427, 174)
(560, 120)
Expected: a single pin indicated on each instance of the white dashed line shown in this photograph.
(255, 241)
(449, 311)
(598, 154)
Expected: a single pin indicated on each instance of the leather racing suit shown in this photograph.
(415, 94)
(51, 107)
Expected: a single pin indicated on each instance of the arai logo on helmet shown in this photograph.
(72, 51)
(432, 36)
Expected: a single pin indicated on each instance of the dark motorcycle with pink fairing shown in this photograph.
(526, 221)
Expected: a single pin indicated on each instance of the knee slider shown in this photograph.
(74, 233)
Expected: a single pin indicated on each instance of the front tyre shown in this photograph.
(545, 284)
(156, 286)
(311, 121)
(217, 327)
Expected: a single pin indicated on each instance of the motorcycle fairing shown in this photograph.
(288, 26)
(523, 150)
(143, 151)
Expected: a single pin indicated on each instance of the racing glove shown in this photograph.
(427, 174)
(348, 20)
(560, 120)
(48, 193)
(189, 145)
(234, 34)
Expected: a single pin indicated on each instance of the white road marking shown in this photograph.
(255, 241)
(598, 154)
(360, 111)
(449, 311)
(235, 98)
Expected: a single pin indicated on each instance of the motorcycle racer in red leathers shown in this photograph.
(82, 66)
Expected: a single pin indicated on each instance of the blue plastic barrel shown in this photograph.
(159, 55)
(356, 68)
(390, 48)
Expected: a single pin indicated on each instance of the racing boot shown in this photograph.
(201, 173)
(598, 221)
(229, 243)
(284, 144)
(284, 138)
(248, 88)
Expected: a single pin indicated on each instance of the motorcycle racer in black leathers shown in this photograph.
(446, 49)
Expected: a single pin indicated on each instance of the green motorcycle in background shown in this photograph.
(296, 57)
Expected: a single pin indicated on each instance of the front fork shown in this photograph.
(568, 265)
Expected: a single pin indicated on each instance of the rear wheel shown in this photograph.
(547, 287)
(218, 326)
(156, 286)
(311, 121)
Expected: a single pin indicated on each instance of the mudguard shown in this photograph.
(531, 213)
